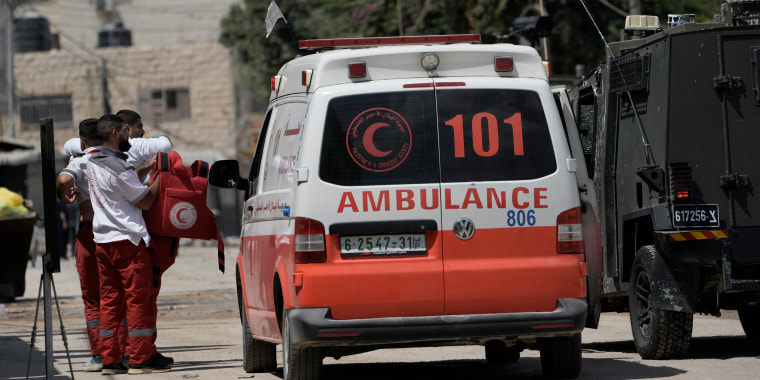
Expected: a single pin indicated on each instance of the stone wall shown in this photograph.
(204, 69)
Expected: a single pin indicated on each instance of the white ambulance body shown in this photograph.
(418, 194)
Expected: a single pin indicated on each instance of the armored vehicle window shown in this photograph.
(380, 139)
(493, 135)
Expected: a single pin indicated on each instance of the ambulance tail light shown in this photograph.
(309, 242)
(569, 232)
(680, 182)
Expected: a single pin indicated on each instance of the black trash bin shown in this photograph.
(16, 231)
(16, 235)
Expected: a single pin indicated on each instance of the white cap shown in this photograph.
(73, 147)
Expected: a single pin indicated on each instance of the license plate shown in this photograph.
(377, 245)
(690, 216)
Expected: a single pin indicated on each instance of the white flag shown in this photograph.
(273, 14)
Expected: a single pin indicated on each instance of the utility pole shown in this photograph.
(544, 40)
(634, 7)
(10, 78)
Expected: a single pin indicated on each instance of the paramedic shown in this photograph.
(124, 260)
(72, 186)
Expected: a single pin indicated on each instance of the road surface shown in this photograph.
(199, 326)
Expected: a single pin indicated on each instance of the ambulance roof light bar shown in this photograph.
(376, 41)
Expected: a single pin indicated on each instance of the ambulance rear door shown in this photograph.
(378, 197)
(504, 183)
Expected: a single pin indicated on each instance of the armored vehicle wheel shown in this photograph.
(658, 334)
(258, 356)
(561, 356)
(298, 364)
(498, 353)
(750, 319)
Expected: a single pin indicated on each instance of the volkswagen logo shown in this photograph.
(464, 228)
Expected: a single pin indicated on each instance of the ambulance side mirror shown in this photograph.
(226, 174)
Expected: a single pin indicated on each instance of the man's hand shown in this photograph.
(150, 196)
(64, 186)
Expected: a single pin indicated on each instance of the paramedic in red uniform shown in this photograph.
(72, 186)
(124, 260)
(142, 155)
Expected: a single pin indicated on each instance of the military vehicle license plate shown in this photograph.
(696, 216)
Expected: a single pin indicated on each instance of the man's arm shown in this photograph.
(64, 186)
(150, 196)
(143, 170)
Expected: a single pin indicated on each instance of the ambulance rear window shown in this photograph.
(401, 138)
(493, 135)
(380, 139)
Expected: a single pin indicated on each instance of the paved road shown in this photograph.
(199, 326)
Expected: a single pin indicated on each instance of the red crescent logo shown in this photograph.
(179, 215)
(368, 142)
(183, 215)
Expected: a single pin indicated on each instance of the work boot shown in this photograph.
(113, 369)
(94, 365)
(165, 359)
(152, 365)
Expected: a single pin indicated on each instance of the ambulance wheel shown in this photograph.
(498, 353)
(258, 356)
(657, 333)
(298, 364)
(750, 319)
(561, 356)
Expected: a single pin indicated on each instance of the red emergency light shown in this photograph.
(357, 69)
(503, 64)
(376, 41)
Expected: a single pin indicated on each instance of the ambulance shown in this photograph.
(413, 191)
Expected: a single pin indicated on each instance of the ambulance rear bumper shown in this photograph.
(315, 328)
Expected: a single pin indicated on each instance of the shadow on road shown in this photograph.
(714, 347)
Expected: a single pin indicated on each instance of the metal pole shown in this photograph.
(544, 40)
(51, 260)
(9, 77)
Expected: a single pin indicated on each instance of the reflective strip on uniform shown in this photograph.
(141, 332)
(93, 323)
(124, 322)
(106, 333)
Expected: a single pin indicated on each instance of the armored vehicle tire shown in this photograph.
(750, 319)
(561, 356)
(658, 334)
(298, 364)
(258, 356)
(498, 353)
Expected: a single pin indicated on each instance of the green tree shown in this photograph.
(574, 39)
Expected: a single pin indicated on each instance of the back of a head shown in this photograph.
(88, 132)
(130, 117)
(108, 123)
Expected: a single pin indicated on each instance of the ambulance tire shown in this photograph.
(298, 364)
(657, 333)
(561, 356)
(258, 356)
(750, 319)
(498, 353)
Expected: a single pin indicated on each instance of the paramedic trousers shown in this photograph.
(89, 281)
(164, 251)
(126, 276)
